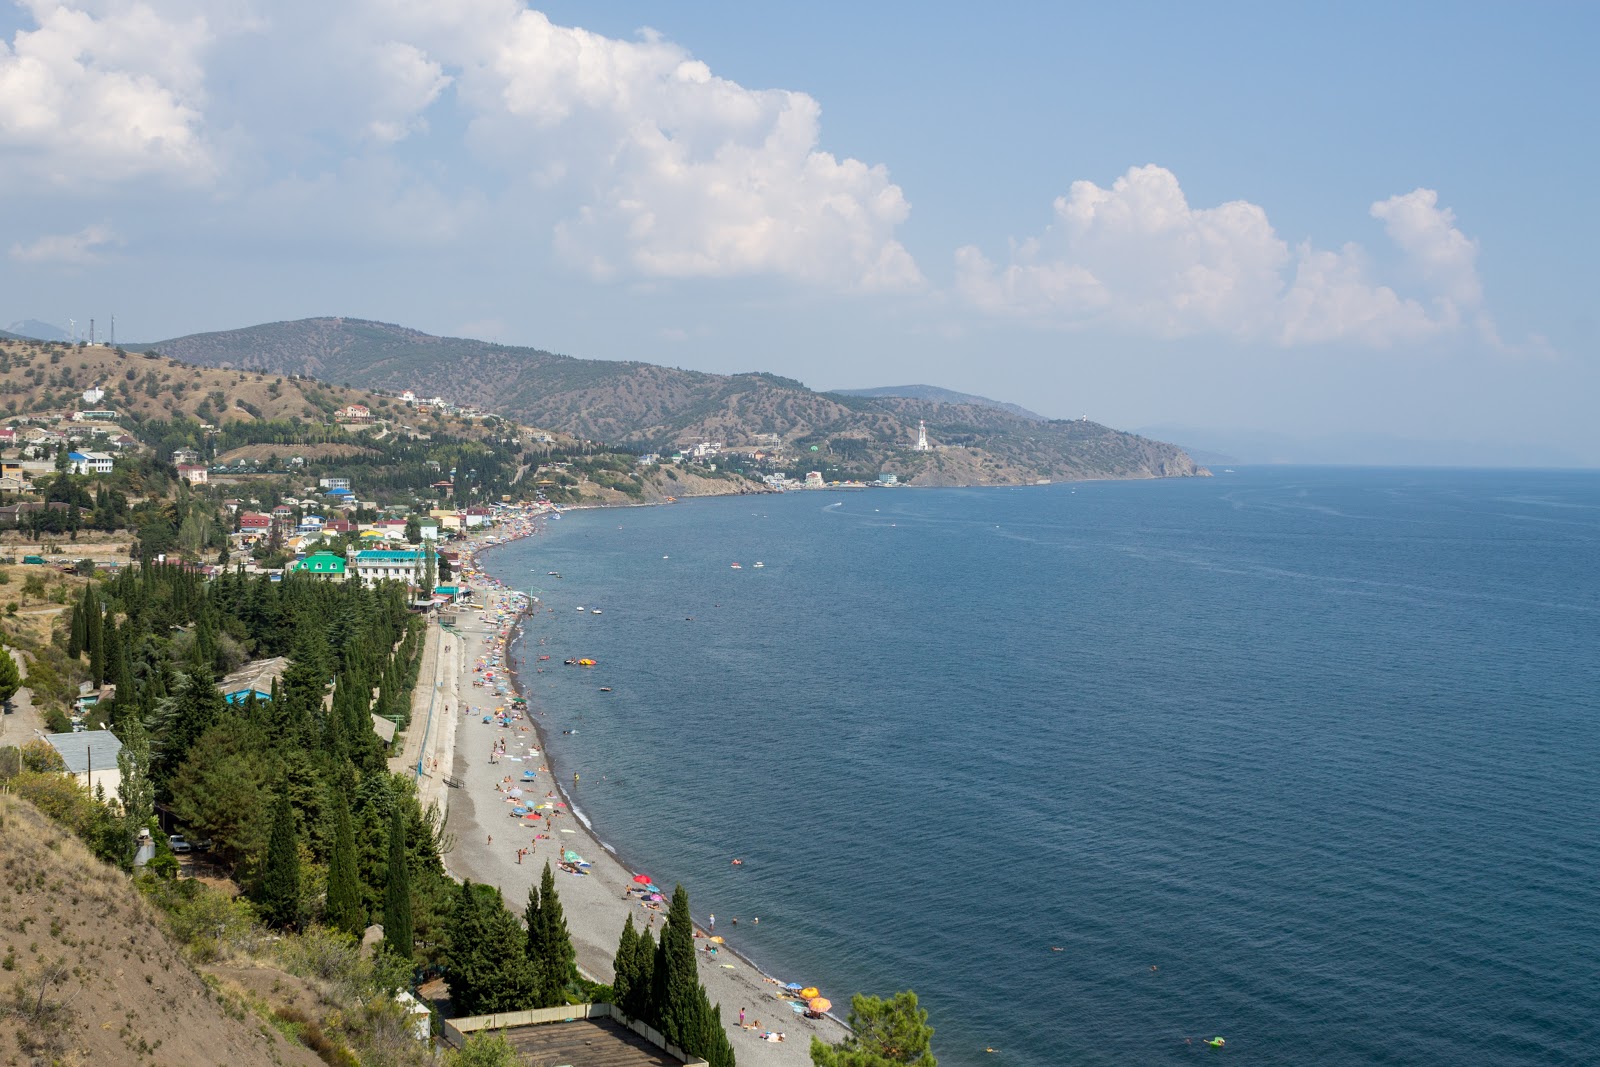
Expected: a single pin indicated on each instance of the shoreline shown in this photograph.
(596, 904)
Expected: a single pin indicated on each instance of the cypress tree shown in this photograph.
(558, 964)
(464, 964)
(96, 643)
(397, 892)
(344, 881)
(676, 976)
(280, 882)
(533, 918)
(78, 631)
(641, 985)
(622, 964)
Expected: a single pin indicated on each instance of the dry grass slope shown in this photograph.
(89, 975)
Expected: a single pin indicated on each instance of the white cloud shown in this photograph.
(1137, 257)
(90, 96)
(666, 170)
(70, 248)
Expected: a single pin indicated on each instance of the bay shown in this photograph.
(1300, 757)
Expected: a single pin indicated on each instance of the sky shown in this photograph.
(1345, 232)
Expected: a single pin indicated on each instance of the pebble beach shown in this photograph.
(493, 748)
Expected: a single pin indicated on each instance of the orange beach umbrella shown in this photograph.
(810, 992)
(820, 1004)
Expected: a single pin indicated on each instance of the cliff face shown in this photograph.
(661, 408)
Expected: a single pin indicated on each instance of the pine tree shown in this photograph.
(486, 961)
(622, 966)
(345, 910)
(397, 936)
(280, 882)
(533, 919)
(10, 675)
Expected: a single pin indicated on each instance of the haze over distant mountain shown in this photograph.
(38, 331)
(662, 408)
(941, 396)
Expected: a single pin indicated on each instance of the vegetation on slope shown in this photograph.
(660, 408)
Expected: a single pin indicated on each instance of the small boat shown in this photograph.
(758, 563)
(553, 574)
(596, 611)
(580, 607)
(605, 689)
(736, 566)
(569, 661)
(543, 658)
(586, 663)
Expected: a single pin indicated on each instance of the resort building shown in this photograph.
(374, 565)
(194, 474)
(321, 564)
(90, 462)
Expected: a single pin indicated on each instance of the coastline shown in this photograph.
(597, 903)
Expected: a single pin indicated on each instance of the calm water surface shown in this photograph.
(1301, 757)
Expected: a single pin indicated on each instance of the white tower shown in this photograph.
(922, 437)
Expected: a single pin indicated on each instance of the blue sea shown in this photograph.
(1308, 759)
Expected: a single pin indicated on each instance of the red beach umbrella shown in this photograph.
(642, 879)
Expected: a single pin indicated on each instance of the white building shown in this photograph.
(91, 758)
(372, 565)
(90, 462)
(194, 473)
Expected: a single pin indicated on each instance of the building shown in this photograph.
(322, 565)
(374, 565)
(254, 678)
(193, 473)
(91, 758)
(181, 456)
(334, 483)
(354, 413)
(813, 479)
(90, 462)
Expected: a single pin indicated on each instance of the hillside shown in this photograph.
(45, 376)
(662, 409)
(91, 976)
(941, 396)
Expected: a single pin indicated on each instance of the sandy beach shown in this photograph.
(473, 681)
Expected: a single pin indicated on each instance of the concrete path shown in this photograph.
(21, 722)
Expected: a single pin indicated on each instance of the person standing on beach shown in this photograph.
(712, 920)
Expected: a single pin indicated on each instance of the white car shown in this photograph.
(179, 845)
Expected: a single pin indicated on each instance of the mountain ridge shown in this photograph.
(654, 408)
(940, 395)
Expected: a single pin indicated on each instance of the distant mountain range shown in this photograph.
(978, 441)
(33, 329)
(941, 396)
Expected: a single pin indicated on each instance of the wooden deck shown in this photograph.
(585, 1043)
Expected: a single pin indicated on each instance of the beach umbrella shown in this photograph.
(794, 987)
(810, 992)
(571, 856)
(718, 939)
(820, 1004)
(642, 879)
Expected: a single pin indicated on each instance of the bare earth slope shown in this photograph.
(648, 406)
(118, 991)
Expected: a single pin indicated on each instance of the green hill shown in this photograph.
(658, 408)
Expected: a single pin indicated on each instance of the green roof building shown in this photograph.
(321, 564)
